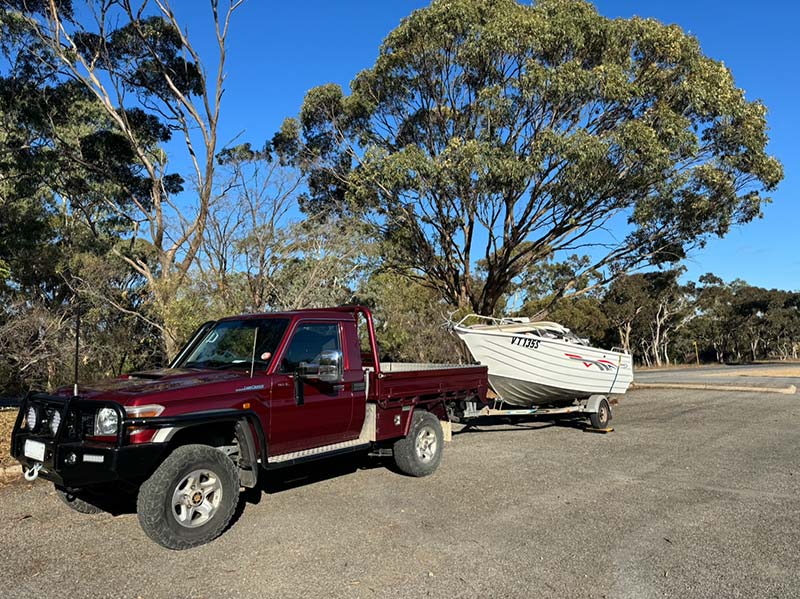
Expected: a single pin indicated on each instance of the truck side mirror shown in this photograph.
(330, 368)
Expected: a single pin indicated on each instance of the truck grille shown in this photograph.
(79, 425)
(76, 416)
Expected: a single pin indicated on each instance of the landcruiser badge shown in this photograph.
(250, 388)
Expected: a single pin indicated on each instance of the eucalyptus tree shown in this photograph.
(259, 254)
(648, 311)
(507, 134)
(134, 60)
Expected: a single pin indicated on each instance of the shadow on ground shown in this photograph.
(292, 477)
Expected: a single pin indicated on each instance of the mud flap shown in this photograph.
(447, 430)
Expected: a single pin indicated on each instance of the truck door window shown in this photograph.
(308, 342)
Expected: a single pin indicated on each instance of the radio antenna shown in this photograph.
(77, 347)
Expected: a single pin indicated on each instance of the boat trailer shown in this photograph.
(596, 407)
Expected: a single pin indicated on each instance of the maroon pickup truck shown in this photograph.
(247, 394)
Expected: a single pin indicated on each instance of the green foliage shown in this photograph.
(144, 51)
(648, 310)
(59, 138)
(584, 316)
(490, 146)
(531, 127)
(739, 322)
(409, 320)
(69, 179)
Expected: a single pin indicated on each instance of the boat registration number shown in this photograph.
(525, 342)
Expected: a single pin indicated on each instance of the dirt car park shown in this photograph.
(695, 494)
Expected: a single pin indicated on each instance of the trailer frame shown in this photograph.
(590, 407)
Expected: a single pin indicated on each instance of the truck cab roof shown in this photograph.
(339, 312)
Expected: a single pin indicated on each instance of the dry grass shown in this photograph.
(7, 419)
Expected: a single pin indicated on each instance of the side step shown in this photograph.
(364, 440)
(317, 451)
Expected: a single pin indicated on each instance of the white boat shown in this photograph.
(542, 363)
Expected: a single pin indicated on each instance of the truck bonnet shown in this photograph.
(160, 386)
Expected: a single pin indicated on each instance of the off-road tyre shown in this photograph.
(420, 452)
(155, 503)
(602, 417)
(75, 502)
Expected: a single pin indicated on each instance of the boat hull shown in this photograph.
(526, 370)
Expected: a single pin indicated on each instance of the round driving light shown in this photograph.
(106, 422)
(55, 422)
(32, 418)
(71, 459)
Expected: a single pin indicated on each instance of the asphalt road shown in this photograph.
(696, 494)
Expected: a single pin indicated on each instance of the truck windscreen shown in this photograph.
(233, 344)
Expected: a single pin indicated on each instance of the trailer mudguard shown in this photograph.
(593, 403)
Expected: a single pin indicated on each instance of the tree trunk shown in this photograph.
(625, 336)
(754, 349)
(52, 376)
(656, 344)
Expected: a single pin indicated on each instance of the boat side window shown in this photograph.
(308, 342)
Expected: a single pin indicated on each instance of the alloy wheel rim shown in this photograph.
(426, 444)
(196, 498)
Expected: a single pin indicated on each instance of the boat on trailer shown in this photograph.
(540, 364)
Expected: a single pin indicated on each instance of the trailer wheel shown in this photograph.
(190, 498)
(602, 417)
(74, 502)
(419, 453)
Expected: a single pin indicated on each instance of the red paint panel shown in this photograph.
(328, 414)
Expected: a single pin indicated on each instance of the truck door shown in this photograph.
(306, 413)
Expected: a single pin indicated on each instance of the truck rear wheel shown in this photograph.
(419, 453)
(190, 498)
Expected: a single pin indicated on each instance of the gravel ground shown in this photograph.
(694, 495)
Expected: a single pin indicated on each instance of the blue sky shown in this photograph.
(278, 50)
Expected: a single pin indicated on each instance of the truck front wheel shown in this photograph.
(190, 498)
(419, 453)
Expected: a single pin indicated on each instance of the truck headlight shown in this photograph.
(106, 422)
(55, 422)
(32, 418)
